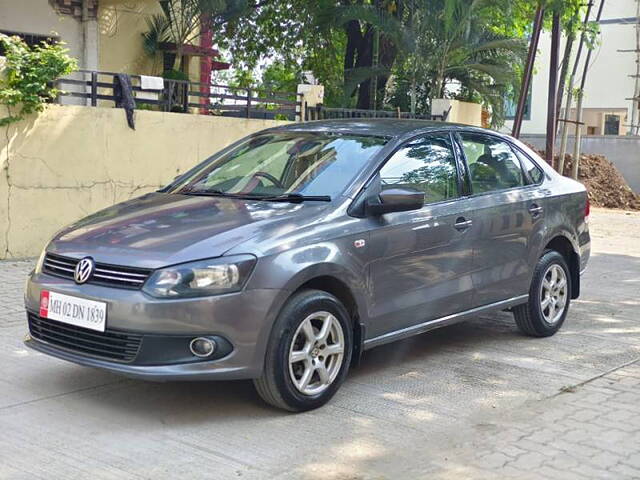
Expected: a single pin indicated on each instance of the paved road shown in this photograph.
(475, 400)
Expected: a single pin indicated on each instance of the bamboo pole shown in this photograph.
(553, 85)
(567, 109)
(528, 71)
(576, 147)
(636, 88)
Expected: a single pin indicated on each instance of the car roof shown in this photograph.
(383, 127)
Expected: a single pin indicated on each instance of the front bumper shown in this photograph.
(214, 370)
(244, 319)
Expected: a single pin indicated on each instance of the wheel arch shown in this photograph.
(343, 285)
(562, 244)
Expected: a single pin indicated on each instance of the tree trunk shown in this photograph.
(567, 108)
(364, 60)
(354, 38)
(576, 147)
(388, 54)
(364, 52)
(565, 128)
(438, 86)
(566, 58)
(178, 62)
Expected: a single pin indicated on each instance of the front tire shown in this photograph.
(308, 354)
(549, 297)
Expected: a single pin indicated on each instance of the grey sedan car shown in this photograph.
(286, 255)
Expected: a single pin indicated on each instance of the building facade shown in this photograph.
(104, 35)
(607, 107)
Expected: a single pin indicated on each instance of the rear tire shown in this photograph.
(549, 297)
(308, 354)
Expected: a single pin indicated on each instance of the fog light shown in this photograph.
(202, 347)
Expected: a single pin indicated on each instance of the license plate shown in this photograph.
(73, 310)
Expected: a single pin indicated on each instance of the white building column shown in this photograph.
(90, 59)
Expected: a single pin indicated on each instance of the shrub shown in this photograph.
(29, 74)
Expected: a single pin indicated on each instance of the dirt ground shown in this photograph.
(472, 400)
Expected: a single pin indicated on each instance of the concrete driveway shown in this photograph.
(474, 400)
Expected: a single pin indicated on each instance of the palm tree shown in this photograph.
(454, 45)
(438, 43)
(182, 21)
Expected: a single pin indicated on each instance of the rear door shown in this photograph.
(508, 212)
(421, 260)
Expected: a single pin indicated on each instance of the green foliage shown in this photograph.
(181, 22)
(175, 75)
(462, 50)
(592, 35)
(278, 78)
(424, 47)
(242, 79)
(289, 33)
(414, 50)
(29, 73)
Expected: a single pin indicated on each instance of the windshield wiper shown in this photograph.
(295, 198)
(287, 197)
(210, 193)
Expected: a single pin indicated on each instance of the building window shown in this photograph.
(30, 39)
(612, 124)
(511, 104)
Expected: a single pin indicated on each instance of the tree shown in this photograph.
(570, 90)
(335, 40)
(371, 53)
(375, 35)
(457, 53)
(181, 22)
(278, 78)
(580, 94)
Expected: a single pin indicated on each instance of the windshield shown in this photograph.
(278, 164)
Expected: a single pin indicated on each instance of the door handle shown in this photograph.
(535, 210)
(462, 224)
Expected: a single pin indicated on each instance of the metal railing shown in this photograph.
(193, 97)
(184, 96)
(322, 113)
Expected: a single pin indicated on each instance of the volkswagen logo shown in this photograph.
(84, 270)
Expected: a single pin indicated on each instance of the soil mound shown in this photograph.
(605, 184)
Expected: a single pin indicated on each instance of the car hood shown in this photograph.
(162, 229)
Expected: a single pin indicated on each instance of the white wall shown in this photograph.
(38, 17)
(608, 81)
(70, 161)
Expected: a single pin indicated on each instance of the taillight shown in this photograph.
(587, 209)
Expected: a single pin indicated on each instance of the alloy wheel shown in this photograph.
(316, 353)
(553, 294)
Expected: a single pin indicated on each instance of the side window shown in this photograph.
(492, 164)
(535, 172)
(426, 164)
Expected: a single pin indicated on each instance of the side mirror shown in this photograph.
(394, 200)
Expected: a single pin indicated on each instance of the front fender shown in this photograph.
(289, 270)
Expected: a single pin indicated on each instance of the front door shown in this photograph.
(421, 265)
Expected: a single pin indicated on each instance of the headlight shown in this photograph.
(201, 278)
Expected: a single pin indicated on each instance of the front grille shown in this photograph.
(110, 344)
(104, 274)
